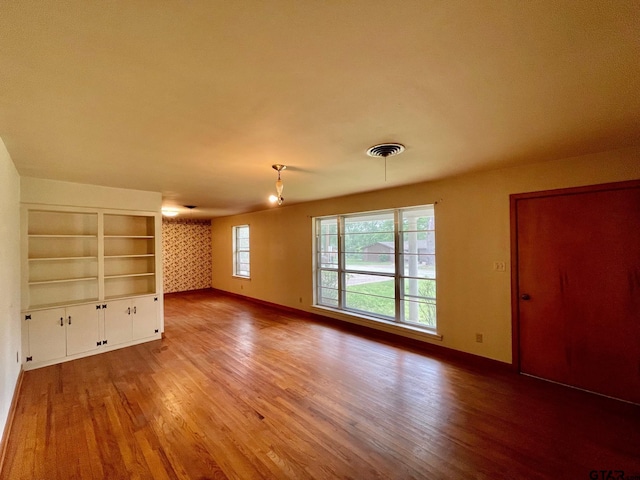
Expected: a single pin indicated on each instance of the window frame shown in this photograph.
(239, 250)
(334, 296)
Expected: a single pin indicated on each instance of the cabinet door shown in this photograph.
(47, 340)
(145, 317)
(83, 328)
(118, 322)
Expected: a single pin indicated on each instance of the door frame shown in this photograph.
(513, 212)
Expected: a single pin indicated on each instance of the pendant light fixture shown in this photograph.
(279, 185)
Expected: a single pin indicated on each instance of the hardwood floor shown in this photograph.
(241, 390)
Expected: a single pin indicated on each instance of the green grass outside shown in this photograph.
(378, 298)
(374, 304)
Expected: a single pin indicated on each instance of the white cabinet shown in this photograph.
(60, 332)
(131, 319)
(83, 328)
(46, 335)
(91, 279)
(145, 317)
(118, 326)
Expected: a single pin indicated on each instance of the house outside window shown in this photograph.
(379, 265)
(241, 251)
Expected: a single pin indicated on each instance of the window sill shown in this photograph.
(379, 324)
(241, 277)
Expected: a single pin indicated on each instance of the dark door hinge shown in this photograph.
(29, 359)
(27, 317)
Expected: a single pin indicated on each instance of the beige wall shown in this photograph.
(55, 192)
(10, 337)
(472, 231)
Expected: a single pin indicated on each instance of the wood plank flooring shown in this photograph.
(242, 391)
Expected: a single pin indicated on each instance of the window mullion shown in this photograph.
(398, 264)
(341, 262)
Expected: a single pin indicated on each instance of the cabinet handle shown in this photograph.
(69, 319)
(61, 322)
(129, 311)
(134, 310)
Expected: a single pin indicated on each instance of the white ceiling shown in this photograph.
(197, 99)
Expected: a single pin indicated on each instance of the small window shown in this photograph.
(241, 264)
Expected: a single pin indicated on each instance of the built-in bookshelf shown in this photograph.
(81, 256)
(91, 281)
(129, 255)
(62, 258)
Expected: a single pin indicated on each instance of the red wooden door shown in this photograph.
(578, 287)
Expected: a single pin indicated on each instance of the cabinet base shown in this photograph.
(102, 349)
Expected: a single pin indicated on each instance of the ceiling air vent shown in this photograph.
(385, 150)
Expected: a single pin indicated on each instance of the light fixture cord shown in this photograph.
(385, 168)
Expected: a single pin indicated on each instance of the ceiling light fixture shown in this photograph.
(385, 150)
(279, 185)
(170, 212)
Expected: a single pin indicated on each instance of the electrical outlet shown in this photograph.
(479, 338)
(499, 266)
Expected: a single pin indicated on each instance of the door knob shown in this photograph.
(525, 296)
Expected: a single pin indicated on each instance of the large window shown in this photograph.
(379, 264)
(241, 257)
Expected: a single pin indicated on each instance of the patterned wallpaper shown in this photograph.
(186, 248)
